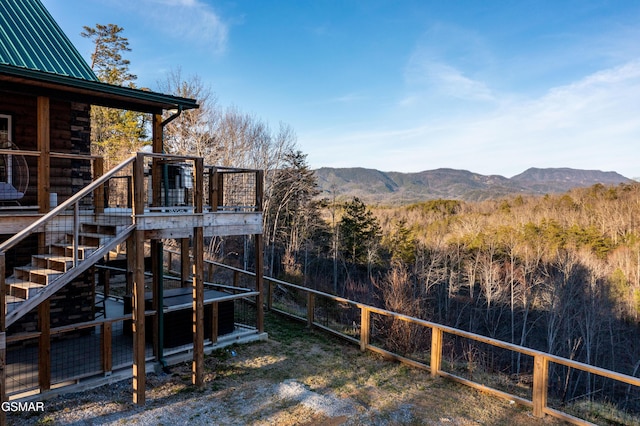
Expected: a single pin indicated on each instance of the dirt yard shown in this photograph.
(294, 378)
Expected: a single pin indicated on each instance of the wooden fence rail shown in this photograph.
(541, 360)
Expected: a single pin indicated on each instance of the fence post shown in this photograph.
(269, 295)
(436, 351)
(310, 309)
(44, 346)
(105, 343)
(364, 328)
(540, 384)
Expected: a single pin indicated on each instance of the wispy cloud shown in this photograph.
(446, 80)
(590, 123)
(447, 69)
(193, 21)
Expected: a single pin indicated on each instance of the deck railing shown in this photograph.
(147, 183)
(356, 323)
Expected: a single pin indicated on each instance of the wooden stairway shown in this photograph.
(51, 271)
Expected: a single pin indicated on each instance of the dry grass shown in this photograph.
(295, 378)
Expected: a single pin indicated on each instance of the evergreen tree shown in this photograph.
(360, 232)
(115, 133)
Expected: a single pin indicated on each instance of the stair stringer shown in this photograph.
(32, 302)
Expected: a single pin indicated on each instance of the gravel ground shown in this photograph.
(297, 378)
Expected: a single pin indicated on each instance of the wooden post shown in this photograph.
(44, 346)
(185, 262)
(198, 308)
(269, 295)
(310, 309)
(214, 321)
(198, 282)
(259, 256)
(105, 344)
(44, 146)
(155, 300)
(236, 278)
(364, 328)
(436, 351)
(98, 194)
(540, 384)
(259, 284)
(137, 308)
(210, 272)
(259, 189)
(213, 193)
(219, 189)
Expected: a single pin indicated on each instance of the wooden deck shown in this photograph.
(76, 356)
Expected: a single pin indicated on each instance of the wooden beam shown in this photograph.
(364, 327)
(44, 346)
(157, 135)
(185, 262)
(139, 367)
(156, 265)
(106, 348)
(436, 351)
(540, 384)
(198, 308)
(259, 283)
(214, 321)
(44, 146)
(198, 280)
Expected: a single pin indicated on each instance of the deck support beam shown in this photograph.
(139, 361)
(44, 345)
(259, 256)
(185, 262)
(137, 254)
(198, 281)
(44, 146)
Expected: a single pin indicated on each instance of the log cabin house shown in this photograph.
(62, 216)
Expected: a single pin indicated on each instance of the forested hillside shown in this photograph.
(559, 273)
(374, 186)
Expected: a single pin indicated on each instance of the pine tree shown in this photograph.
(115, 133)
(360, 232)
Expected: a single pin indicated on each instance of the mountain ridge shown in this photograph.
(375, 186)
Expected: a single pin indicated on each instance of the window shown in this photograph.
(5, 127)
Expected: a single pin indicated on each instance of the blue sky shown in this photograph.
(494, 87)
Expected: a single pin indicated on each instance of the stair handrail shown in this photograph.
(64, 206)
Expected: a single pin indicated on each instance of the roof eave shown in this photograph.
(97, 93)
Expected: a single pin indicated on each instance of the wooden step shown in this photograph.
(24, 289)
(89, 239)
(36, 274)
(99, 228)
(65, 249)
(52, 261)
(12, 302)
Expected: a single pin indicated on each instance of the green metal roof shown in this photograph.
(30, 38)
(35, 53)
